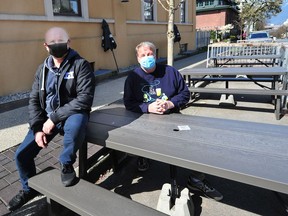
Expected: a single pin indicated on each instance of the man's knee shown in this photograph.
(76, 122)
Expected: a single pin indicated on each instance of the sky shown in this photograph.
(281, 17)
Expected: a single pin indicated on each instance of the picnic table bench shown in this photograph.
(86, 198)
(277, 76)
(245, 60)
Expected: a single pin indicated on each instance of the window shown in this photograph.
(200, 3)
(210, 2)
(66, 7)
(183, 12)
(148, 10)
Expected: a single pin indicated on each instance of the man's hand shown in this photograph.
(160, 106)
(48, 126)
(40, 139)
(155, 107)
(166, 105)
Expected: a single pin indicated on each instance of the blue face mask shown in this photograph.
(147, 62)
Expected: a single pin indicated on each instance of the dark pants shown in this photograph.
(74, 134)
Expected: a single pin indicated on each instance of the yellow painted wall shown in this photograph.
(21, 41)
(133, 15)
(30, 7)
(101, 10)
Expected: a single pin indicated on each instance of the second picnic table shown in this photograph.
(277, 76)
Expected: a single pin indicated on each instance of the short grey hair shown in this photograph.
(146, 44)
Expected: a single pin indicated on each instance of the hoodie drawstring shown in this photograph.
(43, 78)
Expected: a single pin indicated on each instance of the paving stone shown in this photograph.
(2, 156)
(43, 166)
(42, 159)
(56, 165)
(45, 151)
(14, 148)
(4, 173)
(2, 168)
(10, 154)
(56, 152)
(92, 149)
(5, 161)
(11, 166)
(12, 177)
(54, 145)
(3, 184)
(53, 161)
(3, 209)
(9, 192)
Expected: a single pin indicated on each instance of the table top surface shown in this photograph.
(273, 71)
(252, 153)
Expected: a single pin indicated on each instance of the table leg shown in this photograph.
(282, 202)
(227, 86)
(83, 160)
(277, 98)
(174, 191)
(278, 107)
(284, 87)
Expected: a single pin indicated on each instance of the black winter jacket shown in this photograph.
(75, 88)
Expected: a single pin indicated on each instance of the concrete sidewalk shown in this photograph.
(239, 199)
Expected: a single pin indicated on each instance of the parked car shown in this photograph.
(259, 36)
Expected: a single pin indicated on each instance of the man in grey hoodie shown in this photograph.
(60, 101)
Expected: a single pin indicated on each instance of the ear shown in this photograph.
(138, 59)
(68, 43)
(46, 46)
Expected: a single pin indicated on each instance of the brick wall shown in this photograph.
(210, 20)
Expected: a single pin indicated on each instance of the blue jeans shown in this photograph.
(74, 134)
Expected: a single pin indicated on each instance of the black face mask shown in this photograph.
(58, 50)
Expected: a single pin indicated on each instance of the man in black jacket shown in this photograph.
(60, 101)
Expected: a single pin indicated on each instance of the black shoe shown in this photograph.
(195, 184)
(143, 164)
(21, 198)
(68, 175)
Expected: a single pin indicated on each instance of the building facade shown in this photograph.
(214, 14)
(24, 23)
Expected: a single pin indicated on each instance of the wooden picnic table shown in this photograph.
(248, 152)
(264, 54)
(271, 71)
(277, 76)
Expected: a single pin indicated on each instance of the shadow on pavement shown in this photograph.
(145, 188)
